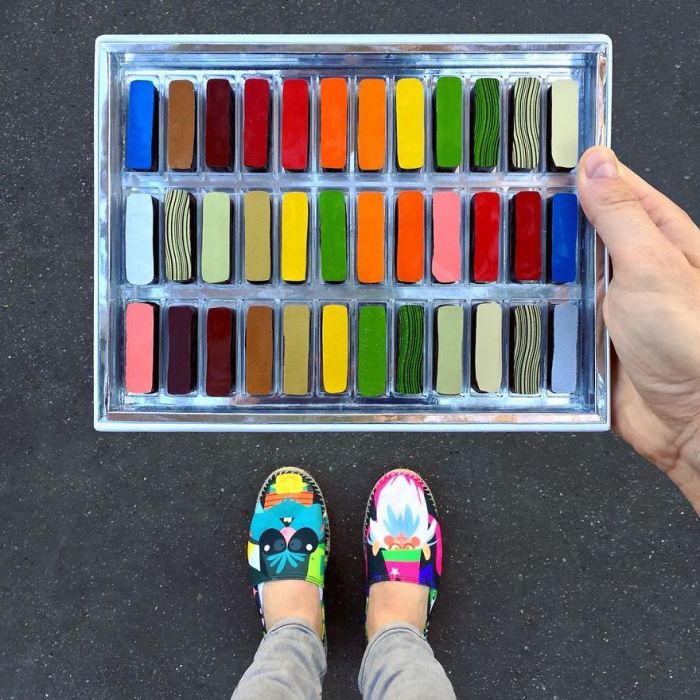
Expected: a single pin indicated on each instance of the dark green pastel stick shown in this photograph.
(409, 367)
(331, 212)
(448, 118)
(486, 136)
(371, 351)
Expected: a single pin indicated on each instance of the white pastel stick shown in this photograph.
(565, 350)
(138, 238)
(564, 126)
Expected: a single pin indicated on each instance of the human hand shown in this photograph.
(652, 312)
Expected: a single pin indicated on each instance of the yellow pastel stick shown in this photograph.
(410, 127)
(334, 341)
(295, 226)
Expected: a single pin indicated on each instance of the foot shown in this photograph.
(396, 601)
(403, 552)
(284, 599)
(288, 546)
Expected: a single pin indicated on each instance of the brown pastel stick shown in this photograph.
(181, 125)
(258, 350)
(295, 366)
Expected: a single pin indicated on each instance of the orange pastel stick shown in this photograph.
(410, 236)
(370, 237)
(334, 123)
(371, 124)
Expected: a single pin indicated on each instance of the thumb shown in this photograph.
(614, 209)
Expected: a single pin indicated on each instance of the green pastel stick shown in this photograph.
(448, 118)
(371, 351)
(216, 237)
(331, 211)
(486, 136)
(450, 331)
(409, 366)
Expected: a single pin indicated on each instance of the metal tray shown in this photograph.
(120, 59)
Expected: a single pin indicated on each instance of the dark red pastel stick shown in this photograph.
(182, 349)
(219, 351)
(218, 143)
(295, 124)
(486, 226)
(256, 118)
(528, 239)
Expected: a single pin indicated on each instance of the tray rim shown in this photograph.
(278, 421)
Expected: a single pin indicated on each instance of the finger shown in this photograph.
(615, 211)
(672, 221)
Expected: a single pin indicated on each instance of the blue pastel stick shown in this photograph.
(565, 349)
(140, 126)
(564, 237)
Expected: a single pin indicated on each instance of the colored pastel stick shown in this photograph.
(486, 226)
(142, 126)
(371, 124)
(486, 133)
(334, 345)
(216, 237)
(331, 212)
(487, 348)
(447, 225)
(179, 235)
(256, 127)
(371, 351)
(220, 351)
(296, 323)
(258, 255)
(563, 373)
(334, 123)
(410, 124)
(409, 364)
(218, 131)
(410, 238)
(182, 349)
(525, 145)
(564, 240)
(563, 124)
(141, 348)
(295, 227)
(295, 124)
(259, 350)
(528, 239)
(370, 237)
(527, 349)
(182, 119)
(448, 122)
(450, 365)
(139, 241)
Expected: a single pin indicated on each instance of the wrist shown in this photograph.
(685, 470)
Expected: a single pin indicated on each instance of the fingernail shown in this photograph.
(601, 164)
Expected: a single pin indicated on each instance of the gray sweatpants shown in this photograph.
(290, 665)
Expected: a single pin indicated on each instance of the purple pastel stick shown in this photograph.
(565, 350)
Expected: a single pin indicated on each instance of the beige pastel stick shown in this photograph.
(296, 319)
(258, 256)
(487, 347)
(564, 127)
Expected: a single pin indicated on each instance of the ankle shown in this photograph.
(396, 601)
(285, 599)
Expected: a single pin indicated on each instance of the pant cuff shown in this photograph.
(380, 636)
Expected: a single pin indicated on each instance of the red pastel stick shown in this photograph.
(528, 241)
(219, 351)
(295, 124)
(217, 129)
(256, 118)
(486, 217)
(141, 353)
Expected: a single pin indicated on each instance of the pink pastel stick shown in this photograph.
(447, 254)
(140, 348)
